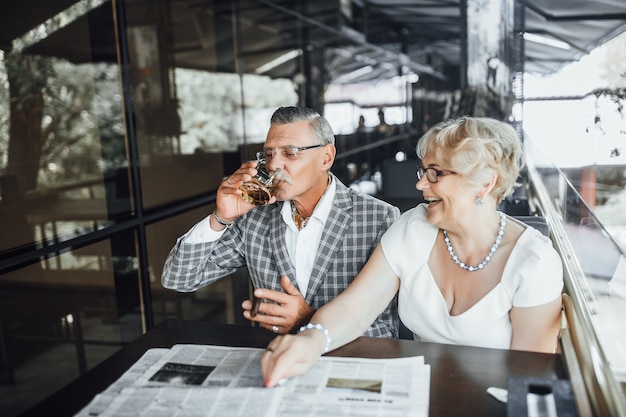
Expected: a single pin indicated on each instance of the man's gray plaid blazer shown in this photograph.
(257, 240)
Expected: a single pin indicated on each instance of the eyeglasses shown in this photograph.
(289, 152)
(432, 174)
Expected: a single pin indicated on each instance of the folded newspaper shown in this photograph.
(200, 380)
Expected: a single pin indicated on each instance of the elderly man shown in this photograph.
(302, 249)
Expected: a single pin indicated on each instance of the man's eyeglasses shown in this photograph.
(432, 174)
(289, 152)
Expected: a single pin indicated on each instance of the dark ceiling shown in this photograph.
(433, 29)
(422, 35)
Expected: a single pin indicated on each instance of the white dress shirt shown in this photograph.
(302, 245)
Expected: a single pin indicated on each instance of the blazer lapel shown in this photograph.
(277, 231)
(335, 229)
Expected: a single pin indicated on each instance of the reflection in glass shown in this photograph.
(91, 145)
(219, 302)
(63, 316)
(59, 150)
(598, 253)
(193, 122)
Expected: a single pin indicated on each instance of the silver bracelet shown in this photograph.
(220, 220)
(317, 326)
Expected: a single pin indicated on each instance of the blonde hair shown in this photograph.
(476, 147)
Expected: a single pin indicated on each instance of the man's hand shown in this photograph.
(229, 203)
(280, 312)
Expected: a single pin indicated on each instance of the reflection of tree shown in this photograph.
(60, 126)
(53, 132)
(210, 105)
(88, 136)
(27, 78)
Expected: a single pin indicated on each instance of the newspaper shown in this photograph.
(102, 401)
(199, 380)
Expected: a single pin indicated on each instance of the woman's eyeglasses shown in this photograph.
(432, 174)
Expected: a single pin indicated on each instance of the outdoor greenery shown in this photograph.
(81, 131)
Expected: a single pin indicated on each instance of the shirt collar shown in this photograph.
(321, 210)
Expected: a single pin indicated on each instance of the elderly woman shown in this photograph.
(464, 272)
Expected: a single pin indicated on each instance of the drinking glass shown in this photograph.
(262, 186)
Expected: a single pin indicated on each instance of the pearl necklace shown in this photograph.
(493, 249)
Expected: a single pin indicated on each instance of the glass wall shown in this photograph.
(595, 273)
(582, 163)
(118, 120)
(63, 315)
(69, 281)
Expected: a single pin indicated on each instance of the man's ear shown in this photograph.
(328, 157)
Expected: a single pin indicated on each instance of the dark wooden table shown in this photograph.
(460, 375)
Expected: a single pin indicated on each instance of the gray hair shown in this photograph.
(475, 147)
(319, 125)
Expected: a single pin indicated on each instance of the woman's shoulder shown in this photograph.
(411, 225)
(408, 241)
(534, 270)
(534, 253)
(417, 214)
(414, 218)
(534, 243)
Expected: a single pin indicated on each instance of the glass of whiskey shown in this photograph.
(260, 189)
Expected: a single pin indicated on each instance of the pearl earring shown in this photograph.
(478, 201)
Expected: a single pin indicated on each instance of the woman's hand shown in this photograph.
(291, 355)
